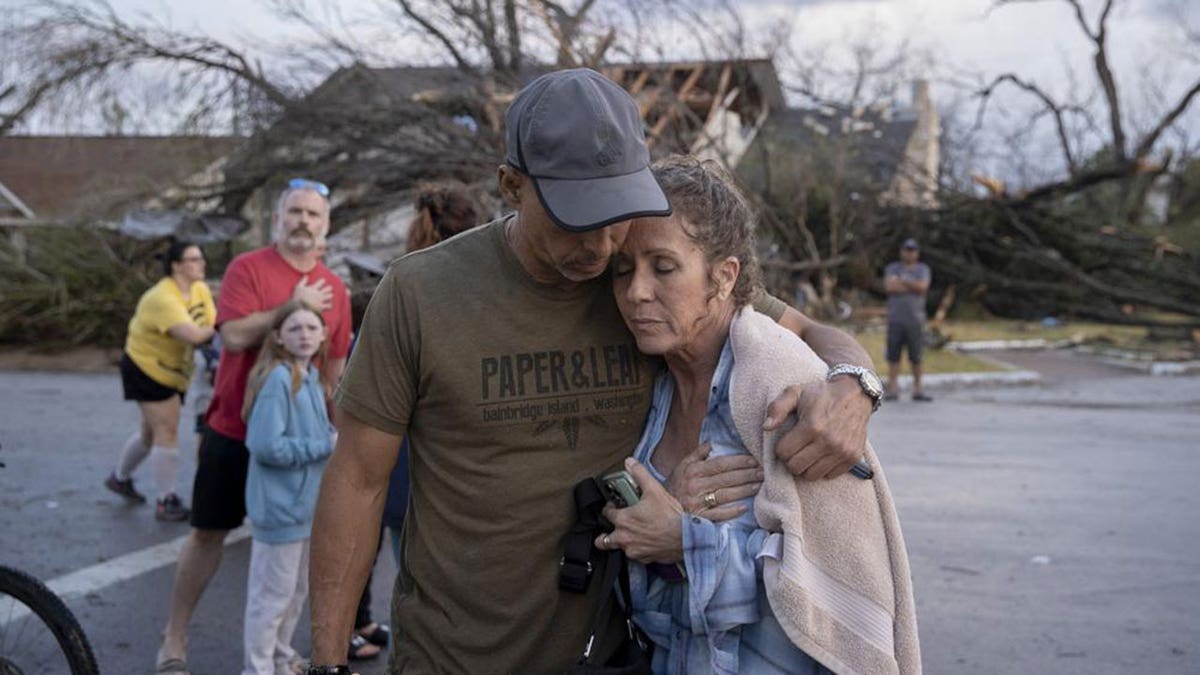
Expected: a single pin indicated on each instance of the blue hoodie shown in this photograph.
(289, 439)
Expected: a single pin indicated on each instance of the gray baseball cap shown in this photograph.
(910, 243)
(579, 137)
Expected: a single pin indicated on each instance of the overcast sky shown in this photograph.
(1034, 38)
(961, 39)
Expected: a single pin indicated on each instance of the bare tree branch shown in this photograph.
(1104, 72)
(1054, 108)
(83, 44)
(515, 60)
(1080, 181)
(437, 34)
(1148, 141)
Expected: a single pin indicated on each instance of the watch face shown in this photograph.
(871, 383)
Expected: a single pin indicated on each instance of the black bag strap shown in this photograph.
(614, 565)
(577, 563)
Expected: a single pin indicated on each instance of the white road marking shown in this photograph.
(102, 575)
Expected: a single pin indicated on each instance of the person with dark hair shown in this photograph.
(906, 282)
(255, 285)
(171, 319)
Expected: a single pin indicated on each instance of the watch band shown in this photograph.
(868, 381)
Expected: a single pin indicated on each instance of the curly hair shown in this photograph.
(443, 210)
(719, 217)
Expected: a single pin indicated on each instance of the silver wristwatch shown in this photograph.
(871, 385)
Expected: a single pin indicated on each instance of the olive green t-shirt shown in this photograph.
(510, 392)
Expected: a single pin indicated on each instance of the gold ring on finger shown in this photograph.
(710, 500)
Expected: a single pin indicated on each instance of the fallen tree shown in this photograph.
(1032, 260)
(1080, 240)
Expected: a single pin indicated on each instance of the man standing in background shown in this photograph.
(906, 282)
(255, 284)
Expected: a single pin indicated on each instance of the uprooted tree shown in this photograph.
(1078, 244)
(1081, 242)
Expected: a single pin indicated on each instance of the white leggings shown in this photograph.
(275, 596)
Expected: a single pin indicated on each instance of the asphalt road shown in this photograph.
(1051, 529)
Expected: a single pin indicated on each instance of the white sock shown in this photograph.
(131, 456)
(165, 462)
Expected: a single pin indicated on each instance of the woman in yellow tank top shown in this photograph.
(174, 316)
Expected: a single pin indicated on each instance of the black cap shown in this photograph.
(579, 136)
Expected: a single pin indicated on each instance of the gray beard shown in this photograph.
(300, 243)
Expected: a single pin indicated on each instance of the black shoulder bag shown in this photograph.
(633, 656)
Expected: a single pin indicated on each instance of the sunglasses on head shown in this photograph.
(306, 184)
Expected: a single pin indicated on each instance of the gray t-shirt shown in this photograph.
(907, 308)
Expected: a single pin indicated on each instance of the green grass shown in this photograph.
(1126, 338)
(1008, 329)
(935, 360)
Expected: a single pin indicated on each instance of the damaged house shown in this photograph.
(372, 134)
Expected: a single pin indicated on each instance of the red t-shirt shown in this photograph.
(257, 281)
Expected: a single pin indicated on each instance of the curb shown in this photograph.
(1121, 358)
(1136, 361)
(1008, 345)
(1010, 378)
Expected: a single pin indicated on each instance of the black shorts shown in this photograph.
(140, 387)
(908, 336)
(219, 492)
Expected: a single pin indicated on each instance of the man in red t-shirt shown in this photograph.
(254, 286)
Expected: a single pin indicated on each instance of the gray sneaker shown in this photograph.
(124, 488)
(171, 509)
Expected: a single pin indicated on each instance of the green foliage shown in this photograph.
(75, 286)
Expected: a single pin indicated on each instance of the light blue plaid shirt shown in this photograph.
(719, 620)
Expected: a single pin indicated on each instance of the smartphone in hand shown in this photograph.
(621, 489)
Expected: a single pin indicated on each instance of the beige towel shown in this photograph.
(842, 591)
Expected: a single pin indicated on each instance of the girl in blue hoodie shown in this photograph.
(289, 438)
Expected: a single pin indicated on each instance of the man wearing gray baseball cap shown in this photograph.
(502, 357)
(582, 145)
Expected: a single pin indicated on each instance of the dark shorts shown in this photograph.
(219, 492)
(140, 387)
(901, 336)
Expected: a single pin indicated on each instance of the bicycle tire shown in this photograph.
(55, 615)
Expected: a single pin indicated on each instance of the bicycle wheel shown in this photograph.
(38, 634)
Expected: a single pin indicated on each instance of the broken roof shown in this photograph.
(675, 98)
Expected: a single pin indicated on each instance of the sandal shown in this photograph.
(378, 636)
(361, 650)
